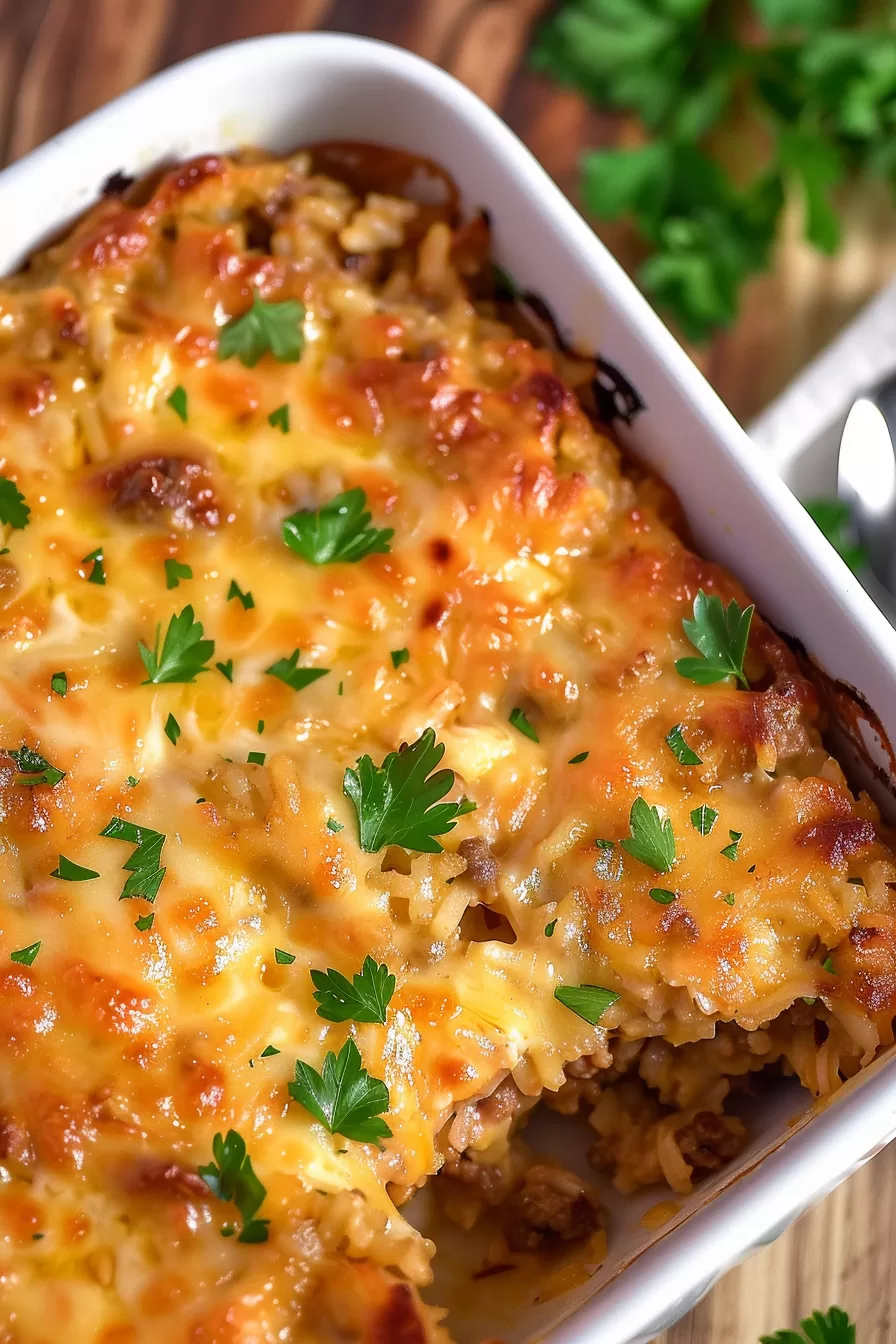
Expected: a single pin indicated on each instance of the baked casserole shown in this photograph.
(379, 761)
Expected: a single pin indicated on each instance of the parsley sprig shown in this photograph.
(589, 1002)
(14, 512)
(652, 841)
(184, 652)
(397, 803)
(720, 636)
(807, 85)
(35, 769)
(288, 671)
(830, 1327)
(143, 866)
(364, 998)
(339, 531)
(230, 1177)
(343, 1096)
(274, 327)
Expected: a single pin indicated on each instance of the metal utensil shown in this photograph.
(866, 481)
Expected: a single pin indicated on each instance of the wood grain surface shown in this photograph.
(59, 59)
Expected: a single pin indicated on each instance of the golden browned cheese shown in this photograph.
(526, 571)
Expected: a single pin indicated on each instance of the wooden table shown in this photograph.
(59, 59)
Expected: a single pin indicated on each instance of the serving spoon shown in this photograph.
(866, 482)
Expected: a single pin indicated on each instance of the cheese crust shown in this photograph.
(530, 568)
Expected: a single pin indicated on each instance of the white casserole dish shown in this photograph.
(278, 92)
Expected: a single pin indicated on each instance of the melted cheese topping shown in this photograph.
(526, 570)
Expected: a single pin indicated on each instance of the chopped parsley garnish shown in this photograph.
(144, 922)
(175, 571)
(172, 729)
(14, 511)
(132, 781)
(184, 652)
(339, 531)
(363, 999)
(35, 769)
(397, 803)
(577, 760)
(661, 896)
(268, 1051)
(288, 670)
(399, 656)
(26, 955)
(259, 727)
(178, 403)
(728, 898)
(274, 327)
(703, 818)
(652, 841)
(680, 749)
(730, 851)
(256, 758)
(343, 1096)
(226, 669)
(517, 718)
(828, 965)
(334, 825)
(283, 958)
(831, 1327)
(246, 599)
(98, 570)
(279, 419)
(549, 929)
(604, 844)
(231, 1178)
(143, 865)
(720, 637)
(72, 872)
(59, 684)
(589, 1002)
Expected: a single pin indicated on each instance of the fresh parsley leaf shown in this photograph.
(828, 965)
(830, 1327)
(334, 825)
(274, 327)
(661, 896)
(833, 519)
(59, 684)
(339, 531)
(172, 729)
(14, 512)
(505, 283)
(730, 851)
(288, 671)
(680, 749)
(256, 758)
(703, 818)
(178, 403)
(397, 803)
(25, 955)
(72, 872)
(364, 999)
(230, 1177)
(184, 652)
(132, 781)
(728, 898)
(578, 759)
(519, 721)
(652, 841)
(98, 569)
(145, 922)
(279, 419)
(283, 958)
(175, 571)
(259, 727)
(247, 600)
(399, 656)
(720, 636)
(143, 865)
(343, 1096)
(586, 1001)
(549, 929)
(268, 1051)
(35, 769)
(226, 669)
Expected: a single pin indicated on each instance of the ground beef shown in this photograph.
(155, 1176)
(482, 866)
(710, 1141)
(181, 487)
(550, 1206)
